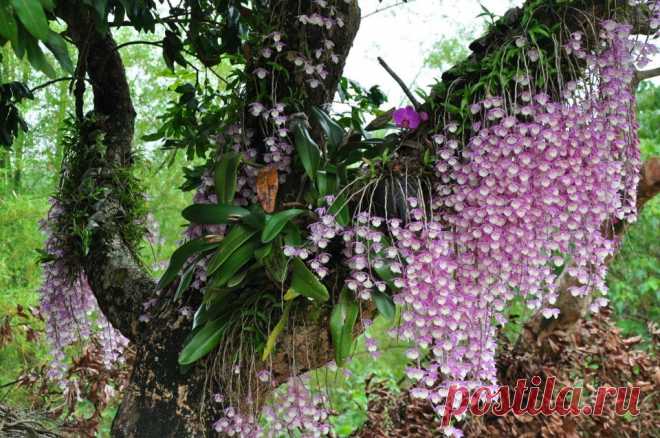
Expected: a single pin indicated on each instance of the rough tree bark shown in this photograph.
(161, 401)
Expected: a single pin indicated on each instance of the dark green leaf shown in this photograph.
(48, 5)
(276, 263)
(239, 258)
(276, 222)
(179, 258)
(342, 322)
(384, 272)
(384, 304)
(308, 151)
(326, 182)
(292, 235)
(333, 131)
(58, 47)
(226, 171)
(201, 316)
(185, 281)
(33, 17)
(8, 26)
(237, 279)
(213, 214)
(203, 342)
(339, 208)
(220, 305)
(263, 252)
(306, 283)
(37, 58)
(236, 237)
(256, 219)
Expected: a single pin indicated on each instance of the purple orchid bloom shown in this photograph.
(409, 118)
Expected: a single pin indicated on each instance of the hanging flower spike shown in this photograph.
(408, 118)
(256, 108)
(533, 55)
(260, 72)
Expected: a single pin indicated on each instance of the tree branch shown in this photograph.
(131, 43)
(379, 10)
(51, 82)
(115, 273)
(399, 81)
(649, 182)
(642, 75)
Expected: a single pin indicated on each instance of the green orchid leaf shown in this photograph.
(275, 223)
(8, 26)
(332, 130)
(342, 322)
(184, 283)
(237, 279)
(238, 259)
(202, 342)
(213, 214)
(256, 219)
(384, 272)
(263, 252)
(326, 182)
(225, 176)
(384, 304)
(308, 151)
(276, 263)
(292, 235)
(180, 256)
(306, 283)
(237, 236)
(339, 208)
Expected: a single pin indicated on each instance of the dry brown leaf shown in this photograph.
(267, 185)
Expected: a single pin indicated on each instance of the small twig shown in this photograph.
(46, 84)
(4, 385)
(403, 2)
(642, 75)
(399, 81)
(149, 43)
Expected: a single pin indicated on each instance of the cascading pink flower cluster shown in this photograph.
(530, 193)
(67, 303)
(294, 411)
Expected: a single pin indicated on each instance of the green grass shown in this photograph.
(20, 277)
(634, 274)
